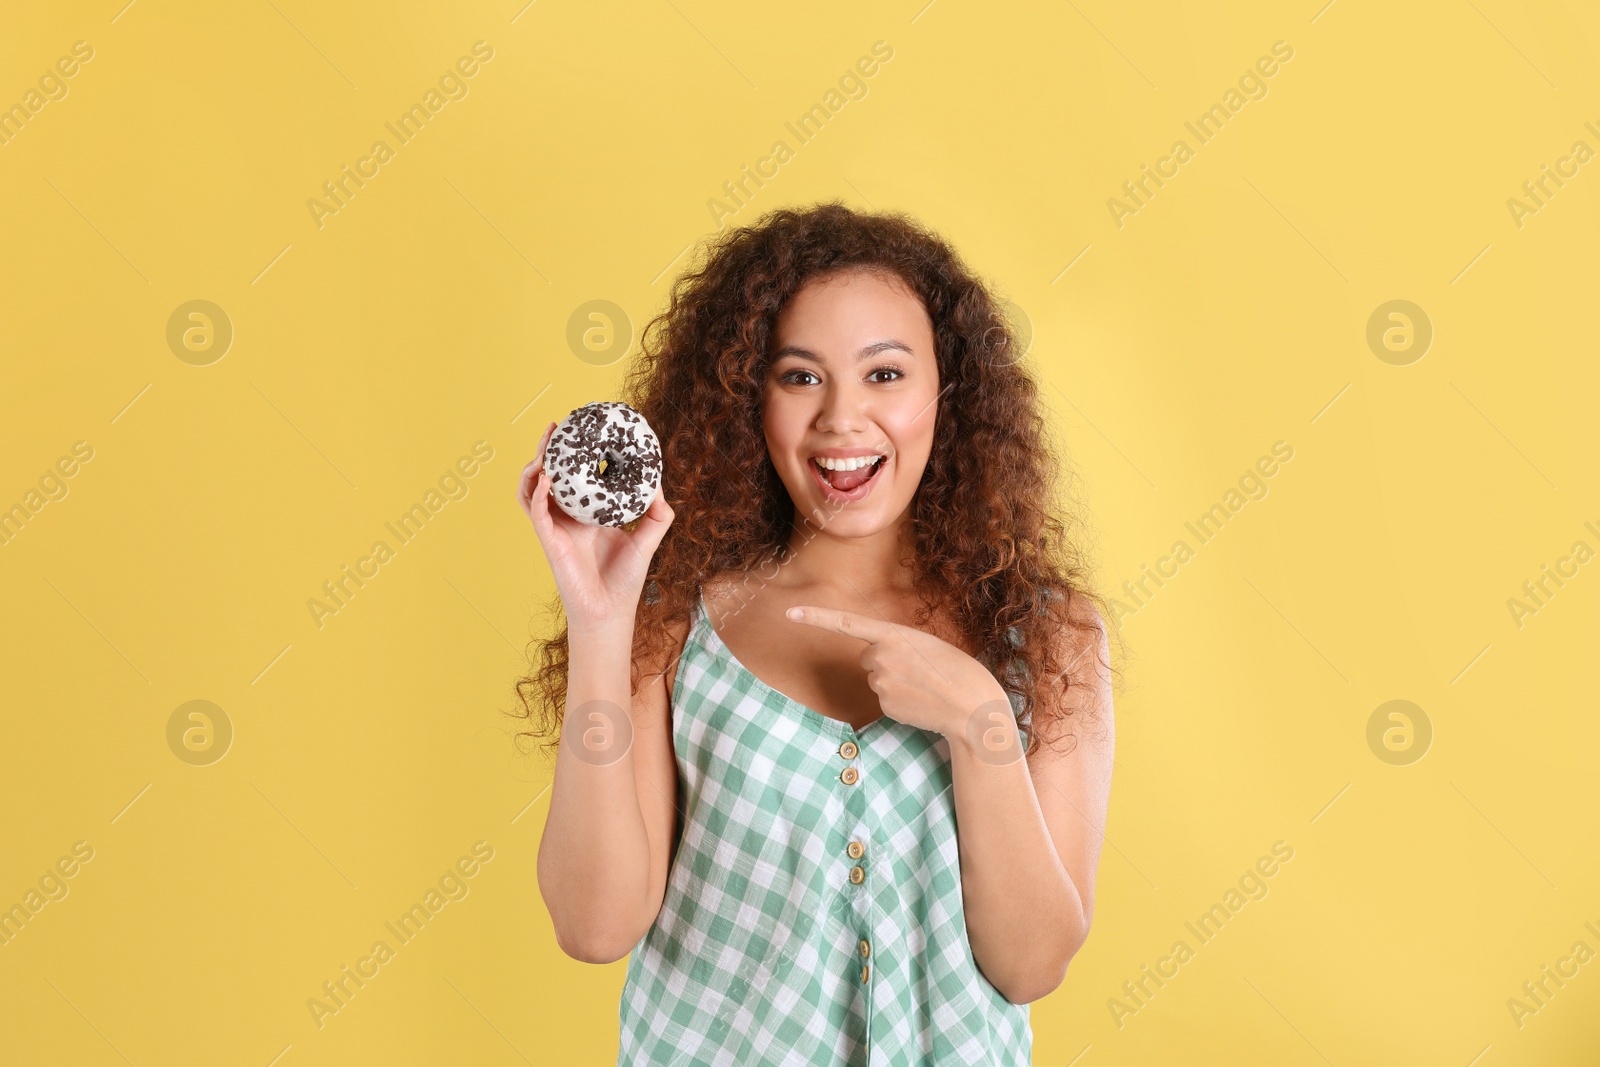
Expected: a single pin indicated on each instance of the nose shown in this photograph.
(841, 411)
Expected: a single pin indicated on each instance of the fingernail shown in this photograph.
(795, 613)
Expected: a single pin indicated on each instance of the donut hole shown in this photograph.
(615, 468)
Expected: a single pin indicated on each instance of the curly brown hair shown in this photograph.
(986, 542)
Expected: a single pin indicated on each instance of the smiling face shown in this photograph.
(853, 376)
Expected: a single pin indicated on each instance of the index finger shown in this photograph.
(543, 441)
(845, 622)
(530, 473)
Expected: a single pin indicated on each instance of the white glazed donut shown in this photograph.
(613, 432)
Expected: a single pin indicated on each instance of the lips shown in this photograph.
(846, 495)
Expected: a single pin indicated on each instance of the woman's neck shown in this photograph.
(853, 567)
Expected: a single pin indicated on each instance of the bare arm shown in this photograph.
(607, 840)
(603, 857)
(1030, 833)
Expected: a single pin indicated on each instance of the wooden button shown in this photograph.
(856, 850)
(864, 972)
(849, 750)
(857, 874)
(850, 776)
(866, 949)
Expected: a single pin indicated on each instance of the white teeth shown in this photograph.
(851, 464)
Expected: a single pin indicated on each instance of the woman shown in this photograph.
(796, 781)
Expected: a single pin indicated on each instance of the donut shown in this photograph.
(612, 432)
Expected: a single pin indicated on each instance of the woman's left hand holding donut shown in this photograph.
(920, 680)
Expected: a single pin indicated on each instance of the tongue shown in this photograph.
(845, 481)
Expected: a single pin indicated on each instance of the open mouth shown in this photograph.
(846, 485)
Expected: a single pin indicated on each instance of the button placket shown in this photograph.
(850, 751)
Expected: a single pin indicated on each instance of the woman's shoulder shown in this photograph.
(726, 593)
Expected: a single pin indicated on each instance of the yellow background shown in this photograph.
(431, 312)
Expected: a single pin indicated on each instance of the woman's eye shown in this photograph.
(791, 376)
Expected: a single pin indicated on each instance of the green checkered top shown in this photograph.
(813, 912)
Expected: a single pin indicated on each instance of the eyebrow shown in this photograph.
(887, 345)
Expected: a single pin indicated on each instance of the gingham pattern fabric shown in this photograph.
(756, 957)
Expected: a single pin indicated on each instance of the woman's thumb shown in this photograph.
(654, 522)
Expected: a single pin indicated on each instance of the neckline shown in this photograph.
(828, 722)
